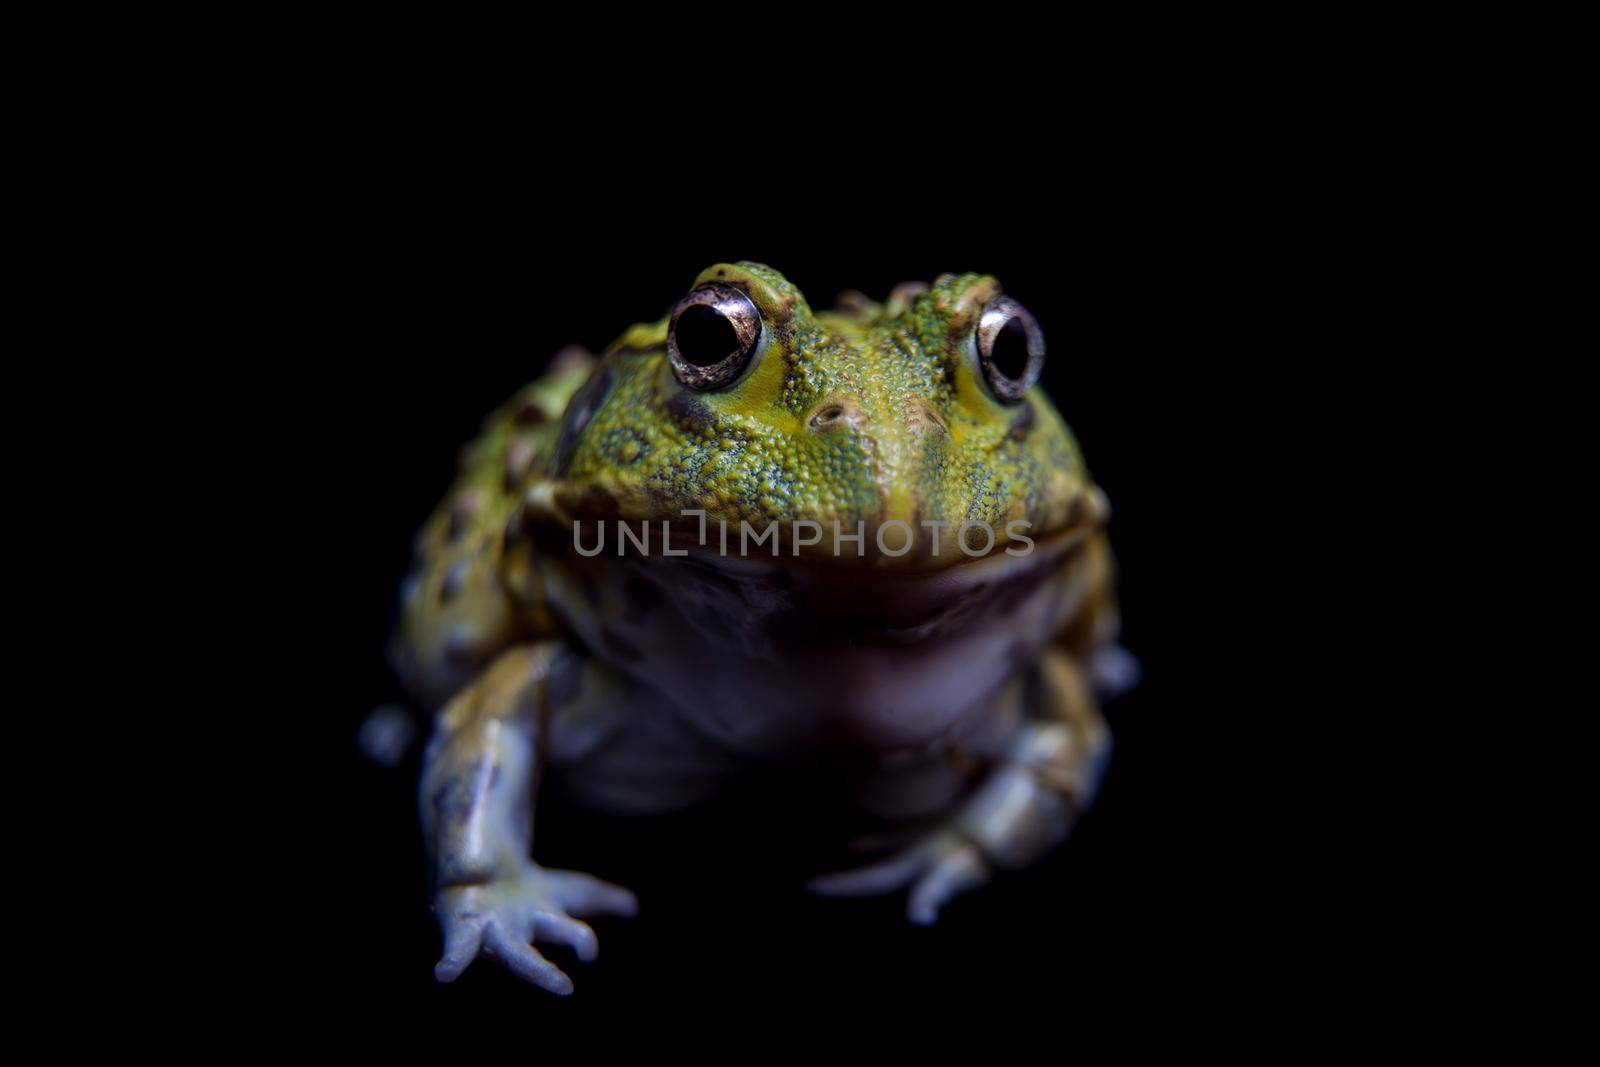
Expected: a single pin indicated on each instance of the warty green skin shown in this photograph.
(869, 418)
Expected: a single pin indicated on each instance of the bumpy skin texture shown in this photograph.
(645, 681)
(869, 417)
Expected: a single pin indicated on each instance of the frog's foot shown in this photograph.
(937, 866)
(502, 918)
(1022, 809)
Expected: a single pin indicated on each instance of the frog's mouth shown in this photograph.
(912, 545)
(829, 600)
(770, 593)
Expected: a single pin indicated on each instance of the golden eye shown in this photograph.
(711, 336)
(1011, 349)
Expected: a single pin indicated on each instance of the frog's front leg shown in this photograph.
(1045, 773)
(479, 778)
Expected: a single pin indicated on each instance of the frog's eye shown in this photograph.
(711, 336)
(1011, 349)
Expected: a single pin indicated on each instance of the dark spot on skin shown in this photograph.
(519, 461)
(618, 646)
(689, 412)
(595, 502)
(665, 501)
(1023, 422)
(585, 402)
(459, 646)
(1075, 511)
(529, 414)
(454, 579)
(642, 595)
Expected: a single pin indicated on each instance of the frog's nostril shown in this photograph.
(835, 413)
(922, 418)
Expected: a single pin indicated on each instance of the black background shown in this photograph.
(405, 333)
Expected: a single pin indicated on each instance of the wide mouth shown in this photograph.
(847, 601)
(890, 550)
(1003, 556)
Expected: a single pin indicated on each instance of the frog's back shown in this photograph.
(470, 593)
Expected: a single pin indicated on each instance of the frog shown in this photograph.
(750, 535)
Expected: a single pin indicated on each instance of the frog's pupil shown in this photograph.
(704, 336)
(1010, 354)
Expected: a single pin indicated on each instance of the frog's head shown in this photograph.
(745, 405)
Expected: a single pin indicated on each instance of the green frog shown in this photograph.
(751, 535)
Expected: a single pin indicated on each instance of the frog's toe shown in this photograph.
(462, 942)
(502, 918)
(955, 873)
(565, 930)
(524, 961)
(586, 896)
